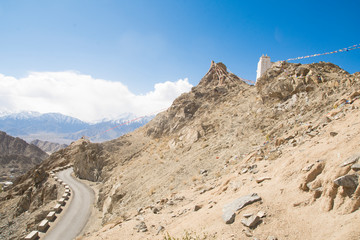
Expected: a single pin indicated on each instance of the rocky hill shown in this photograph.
(227, 160)
(17, 157)
(48, 147)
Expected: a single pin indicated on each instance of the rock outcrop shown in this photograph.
(285, 79)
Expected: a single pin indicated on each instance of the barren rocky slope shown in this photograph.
(17, 157)
(285, 139)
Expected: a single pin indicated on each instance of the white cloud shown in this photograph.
(82, 96)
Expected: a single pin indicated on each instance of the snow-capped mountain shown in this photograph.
(56, 127)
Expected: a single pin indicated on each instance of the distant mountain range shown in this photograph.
(59, 128)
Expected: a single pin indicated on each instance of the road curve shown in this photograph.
(72, 222)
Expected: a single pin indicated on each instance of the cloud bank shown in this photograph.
(82, 96)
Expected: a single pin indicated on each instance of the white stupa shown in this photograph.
(263, 65)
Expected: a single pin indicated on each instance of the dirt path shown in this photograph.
(77, 213)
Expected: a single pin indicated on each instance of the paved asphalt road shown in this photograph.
(72, 222)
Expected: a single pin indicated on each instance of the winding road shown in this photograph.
(73, 221)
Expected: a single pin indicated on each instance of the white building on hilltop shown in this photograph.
(263, 65)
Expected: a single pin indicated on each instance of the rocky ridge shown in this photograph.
(48, 147)
(17, 157)
(291, 139)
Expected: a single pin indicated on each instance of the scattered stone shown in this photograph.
(356, 167)
(252, 167)
(261, 214)
(333, 134)
(247, 232)
(197, 207)
(180, 198)
(140, 210)
(206, 190)
(350, 181)
(308, 167)
(272, 238)
(246, 215)
(351, 160)
(244, 171)
(251, 222)
(229, 210)
(160, 228)
(155, 210)
(204, 172)
(141, 227)
(312, 134)
(259, 180)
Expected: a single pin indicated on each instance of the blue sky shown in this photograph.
(140, 43)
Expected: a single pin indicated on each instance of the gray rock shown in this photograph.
(204, 172)
(141, 227)
(350, 181)
(229, 210)
(261, 214)
(160, 228)
(272, 238)
(351, 160)
(356, 167)
(252, 221)
(229, 218)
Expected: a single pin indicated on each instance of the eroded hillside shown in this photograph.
(17, 157)
(283, 139)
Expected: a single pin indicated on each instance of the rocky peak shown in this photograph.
(217, 86)
(218, 76)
